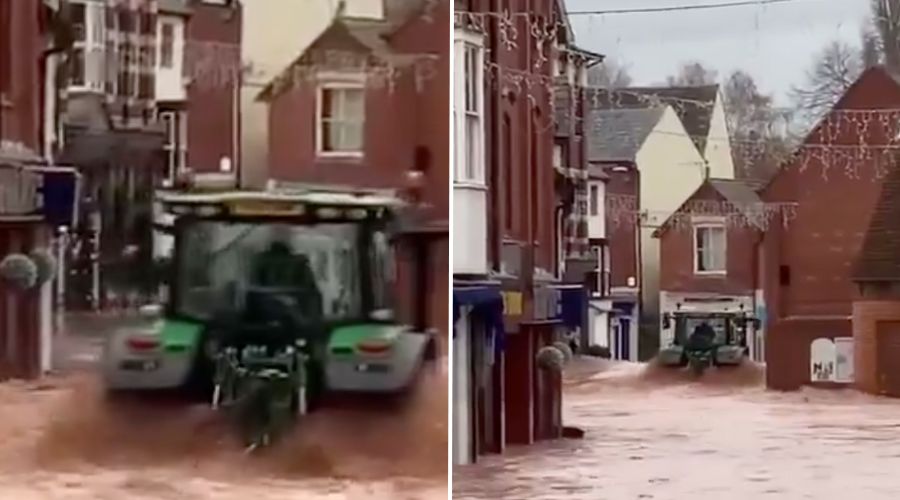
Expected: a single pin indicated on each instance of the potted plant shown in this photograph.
(19, 271)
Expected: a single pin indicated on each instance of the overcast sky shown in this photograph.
(775, 43)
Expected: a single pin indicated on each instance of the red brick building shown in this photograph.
(709, 256)
(520, 183)
(808, 266)
(365, 104)
(27, 29)
(876, 310)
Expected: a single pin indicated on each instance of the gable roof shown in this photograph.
(879, 257)
(815, 132)
(366, 36)
(693, 105)
(618, 134)
(742, 194)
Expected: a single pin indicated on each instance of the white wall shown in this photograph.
(718, 145)
(275, 32)
(470, 230)
(671, 169)
(170, 81)
(462, 431)
(597, 223)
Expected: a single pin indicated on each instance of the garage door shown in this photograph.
(888, 357)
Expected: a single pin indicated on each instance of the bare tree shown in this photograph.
(870, 53)
(833, 72)
(692, 74)
(886, 18)
(611, 75)
(758, 130)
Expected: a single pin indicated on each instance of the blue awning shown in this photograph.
(486, 303)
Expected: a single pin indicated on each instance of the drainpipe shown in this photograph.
(496, 159)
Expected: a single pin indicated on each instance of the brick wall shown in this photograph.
(866, 315)
(788, 349)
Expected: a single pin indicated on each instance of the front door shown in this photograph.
(624, 340)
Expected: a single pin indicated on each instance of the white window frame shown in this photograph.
(594, 199)
(176, 146)
(558, 153)
(163, 24)
(331, 82)
(463, 174)
(710, 224)
(92, 48)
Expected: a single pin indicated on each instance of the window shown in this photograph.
(468, 112)
(341, 119)
(595, 199)
(709, 249)
(176, 144)
(167, 46)
(559, 155)
(87, 58)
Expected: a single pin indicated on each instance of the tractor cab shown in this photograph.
(270, 270)
(723, 335)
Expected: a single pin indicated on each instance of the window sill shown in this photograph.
(326, 155)
(711, 274)
(472, 185)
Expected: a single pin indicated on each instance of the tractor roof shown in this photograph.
(280, 202)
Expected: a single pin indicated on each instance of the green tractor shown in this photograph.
(703, 340)
(275, 299)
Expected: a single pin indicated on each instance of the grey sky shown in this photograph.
(775, 43)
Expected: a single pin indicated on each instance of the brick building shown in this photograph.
(808, 265)
(876, 309)
(520, 182)
(709, 255)
(138, 71)
(335, 119)
(35, 195)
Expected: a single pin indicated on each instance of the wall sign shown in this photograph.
(21, 191)
(48, 192)
(831, 361)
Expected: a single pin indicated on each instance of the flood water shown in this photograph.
(652, 434)
(62, 439)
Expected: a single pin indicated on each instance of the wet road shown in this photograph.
(63, 439)
(654, 436)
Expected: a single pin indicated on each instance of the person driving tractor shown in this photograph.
(703, 337)
(279, 267)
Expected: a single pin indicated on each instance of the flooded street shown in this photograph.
(656, 435)
(63, 439)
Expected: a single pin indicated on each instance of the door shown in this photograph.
(624, 339)
(888, 357)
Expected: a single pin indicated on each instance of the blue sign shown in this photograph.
(60, 197)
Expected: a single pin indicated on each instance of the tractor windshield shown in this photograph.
(223, 264)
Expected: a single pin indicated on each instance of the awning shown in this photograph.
(487, 303)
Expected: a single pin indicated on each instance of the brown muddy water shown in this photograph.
(655, 434)
(62, 439)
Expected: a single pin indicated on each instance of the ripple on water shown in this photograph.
(654, 432)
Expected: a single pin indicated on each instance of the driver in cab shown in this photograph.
(279, 267)
(703, 337)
